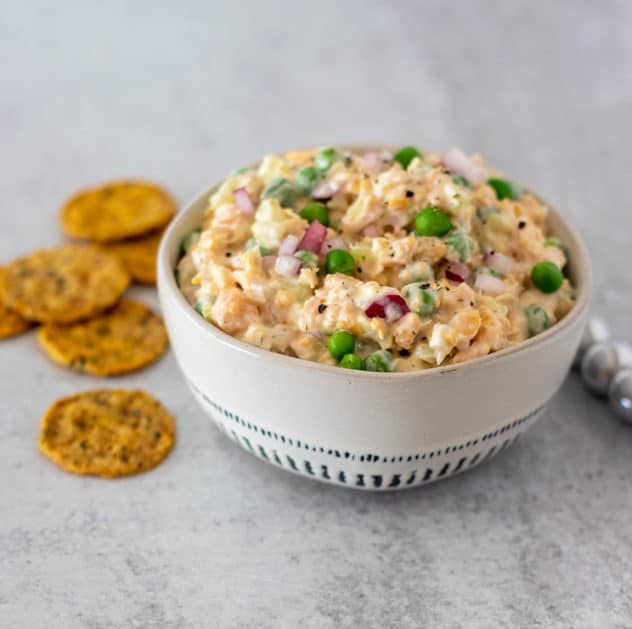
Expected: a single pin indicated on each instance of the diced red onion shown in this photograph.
(335, 242)
(268, 262)
(243, 201)
(397, 221)
(370, 231)
(289, 245)
(390, 307)
(457, 272)
(288, 266)
(499, 262)
(371, 160)
(313, 238)
(325, 190)
(374, 160)
(489, 284)
(457, 162)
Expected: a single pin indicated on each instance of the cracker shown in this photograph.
(107, 433)
(121, 340)
(117, 210)
(138, 256)
(63, 284)
(11, 323)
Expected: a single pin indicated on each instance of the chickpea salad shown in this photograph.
(376, 261)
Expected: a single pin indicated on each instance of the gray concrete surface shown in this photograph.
(185, 92)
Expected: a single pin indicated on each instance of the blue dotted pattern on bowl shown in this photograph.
(419, 475)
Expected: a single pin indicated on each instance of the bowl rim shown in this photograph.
(167, 283)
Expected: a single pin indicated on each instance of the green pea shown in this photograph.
(188, 241)
(325, 158)
(310, 260)
(461, 181)
(351, 361)
(505, 189)
(340, 343)
(460, 245)
(428, 302)
(281, 189)
(432, 222)
(379, 361)
(422, 300)
(339, 261)
(406, 155)
(316, 212)
(306, 179)
(546, 277)
(537, 319)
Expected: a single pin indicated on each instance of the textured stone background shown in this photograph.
(541, 537)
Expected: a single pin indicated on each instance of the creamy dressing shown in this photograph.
(428, 315)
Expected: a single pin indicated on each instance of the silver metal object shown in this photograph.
(620, 395)
(600, 363)
(596, 331)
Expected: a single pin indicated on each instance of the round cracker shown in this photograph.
(107, 433)
(123, 339)
(63, 284)
(138, 256)
(11, 323)
(117, 210)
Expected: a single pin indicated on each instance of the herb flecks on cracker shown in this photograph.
(107, 433)
(11, 322)
(126, 338)
(63, 284)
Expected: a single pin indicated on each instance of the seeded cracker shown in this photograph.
(117, 210)
(123, 339)
(11, 323)
(63, 284)
(138, 256)
(107, 432)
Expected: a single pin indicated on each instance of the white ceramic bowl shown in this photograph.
(361, 429)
